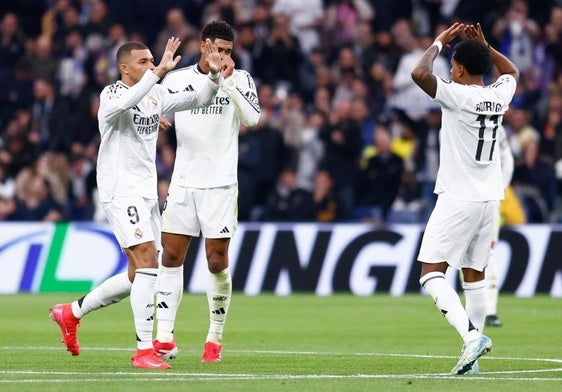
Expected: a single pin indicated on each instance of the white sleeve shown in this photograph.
(241, 88)
(111, 106)
(183, 100)
(505, 87)
(449, 94)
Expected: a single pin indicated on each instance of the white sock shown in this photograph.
(168, 298)
(475, 294)
(142, 304)
(219, 291)
(492, 289)
(448, 302)
(110, 291)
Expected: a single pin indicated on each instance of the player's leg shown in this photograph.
(68, 316)
(449, 233)
(144, 260)
(136, 223)
(219, 292)
(217, 210)
(169, 292)
(492, 291)
(179, 224)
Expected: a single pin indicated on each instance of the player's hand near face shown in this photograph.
(213, 57)
(168, 61)
(227, 66)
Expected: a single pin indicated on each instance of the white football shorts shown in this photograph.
(213, 212)
(134, 219)
(460, 233)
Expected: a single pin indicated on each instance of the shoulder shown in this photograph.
(505, 80)
(113, 90)
(176, 75)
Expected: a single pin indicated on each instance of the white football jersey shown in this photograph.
(207, 138)
(128, 120)
(470, 167)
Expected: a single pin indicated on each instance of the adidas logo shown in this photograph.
(224, 230)
(218, 311)
(162, 305)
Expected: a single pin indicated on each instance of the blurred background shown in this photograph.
(346, 150)
(345, 135)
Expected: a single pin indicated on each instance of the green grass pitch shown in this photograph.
(296, 343)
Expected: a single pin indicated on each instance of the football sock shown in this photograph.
(492, 290)
(219, 290)
(168, 297)
(475, 294)
(448, 302)
(142, 304)
(110, 291)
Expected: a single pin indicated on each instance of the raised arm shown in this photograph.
(502, 63)
(423, 72)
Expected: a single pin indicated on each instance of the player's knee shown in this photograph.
(172, 257)
(217, 264)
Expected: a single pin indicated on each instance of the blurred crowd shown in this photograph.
(344, 135)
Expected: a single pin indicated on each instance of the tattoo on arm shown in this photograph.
(423, 73)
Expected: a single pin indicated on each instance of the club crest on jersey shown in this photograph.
(152, 100)
(138, 233)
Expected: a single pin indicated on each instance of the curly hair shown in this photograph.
(474, 56)
(217, 29)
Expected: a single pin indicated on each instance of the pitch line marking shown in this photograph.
(158, 376)
(281, 352)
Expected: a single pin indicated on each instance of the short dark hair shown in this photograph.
(217, 29)
(474, 56)
(126, 49)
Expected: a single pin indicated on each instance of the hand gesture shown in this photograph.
(212, 58)
(450, 34)
(227, 66)
(168, 61)
(475, 33)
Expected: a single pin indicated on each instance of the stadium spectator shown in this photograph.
(516, 34)
(407, 96)
(249, 160)
(326, 205)
(176, 26)
(535, 184)
(380, 179)
(469, 185)
(37, 203)
(342, 140)
(288, 202)
(11, 41)
(43, 61)
(17, 90)
(304, 21)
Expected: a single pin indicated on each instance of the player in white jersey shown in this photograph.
(128, 119)
(203, 192)
(469, 181)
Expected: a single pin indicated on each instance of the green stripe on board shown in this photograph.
(50, 283)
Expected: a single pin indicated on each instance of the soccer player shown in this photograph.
(128, 118)
(203, 192)
(469, 181)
